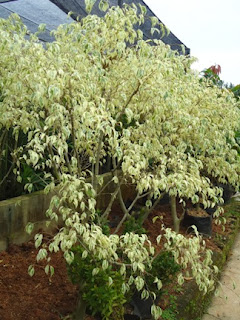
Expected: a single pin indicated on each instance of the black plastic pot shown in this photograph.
(203, 224)
(165, 199)
(142, 308)
(228, 191)
(211, 211)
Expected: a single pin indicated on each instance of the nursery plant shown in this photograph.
(102, 94)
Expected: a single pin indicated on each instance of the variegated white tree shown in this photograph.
(101, 93)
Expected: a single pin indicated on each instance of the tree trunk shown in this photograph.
(80, 311)
(176, 220)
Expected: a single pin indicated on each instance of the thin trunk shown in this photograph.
(176, 220)
(97, 164)
(109, 207)
(80, 311)
(124, 209)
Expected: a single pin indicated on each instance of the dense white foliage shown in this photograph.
(101, 91)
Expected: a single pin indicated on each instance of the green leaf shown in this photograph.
(29, 227)
(46, 269)
(103, 5)
(42, 254)
(156, 311)
(89, 5)
(154, 21)
(143, 9)
(42, 27)
(31, 270)
(38, 240)
(51, 271)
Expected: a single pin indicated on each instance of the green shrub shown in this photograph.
(134, 223)
(103, 291)
(164, 267)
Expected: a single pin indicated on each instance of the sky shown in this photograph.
(210, 28)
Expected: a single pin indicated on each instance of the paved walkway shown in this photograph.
(226, 306)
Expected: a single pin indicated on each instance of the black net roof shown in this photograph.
(54, 13)
(78, 8)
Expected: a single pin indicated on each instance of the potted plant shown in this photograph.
(200, 218)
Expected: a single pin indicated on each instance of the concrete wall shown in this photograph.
(15, 213)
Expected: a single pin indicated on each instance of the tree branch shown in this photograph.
(55, 171)
(68, 162)
(122, 204)
(113, 196)
(132, 95)
(176, 220)
(133, 203)
(145, 216)
(7, 174)
(96, 169)
(130, 99)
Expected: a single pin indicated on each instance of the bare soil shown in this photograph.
(39, 297)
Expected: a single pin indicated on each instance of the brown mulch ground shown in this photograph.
(23, 297)
(39, 297)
